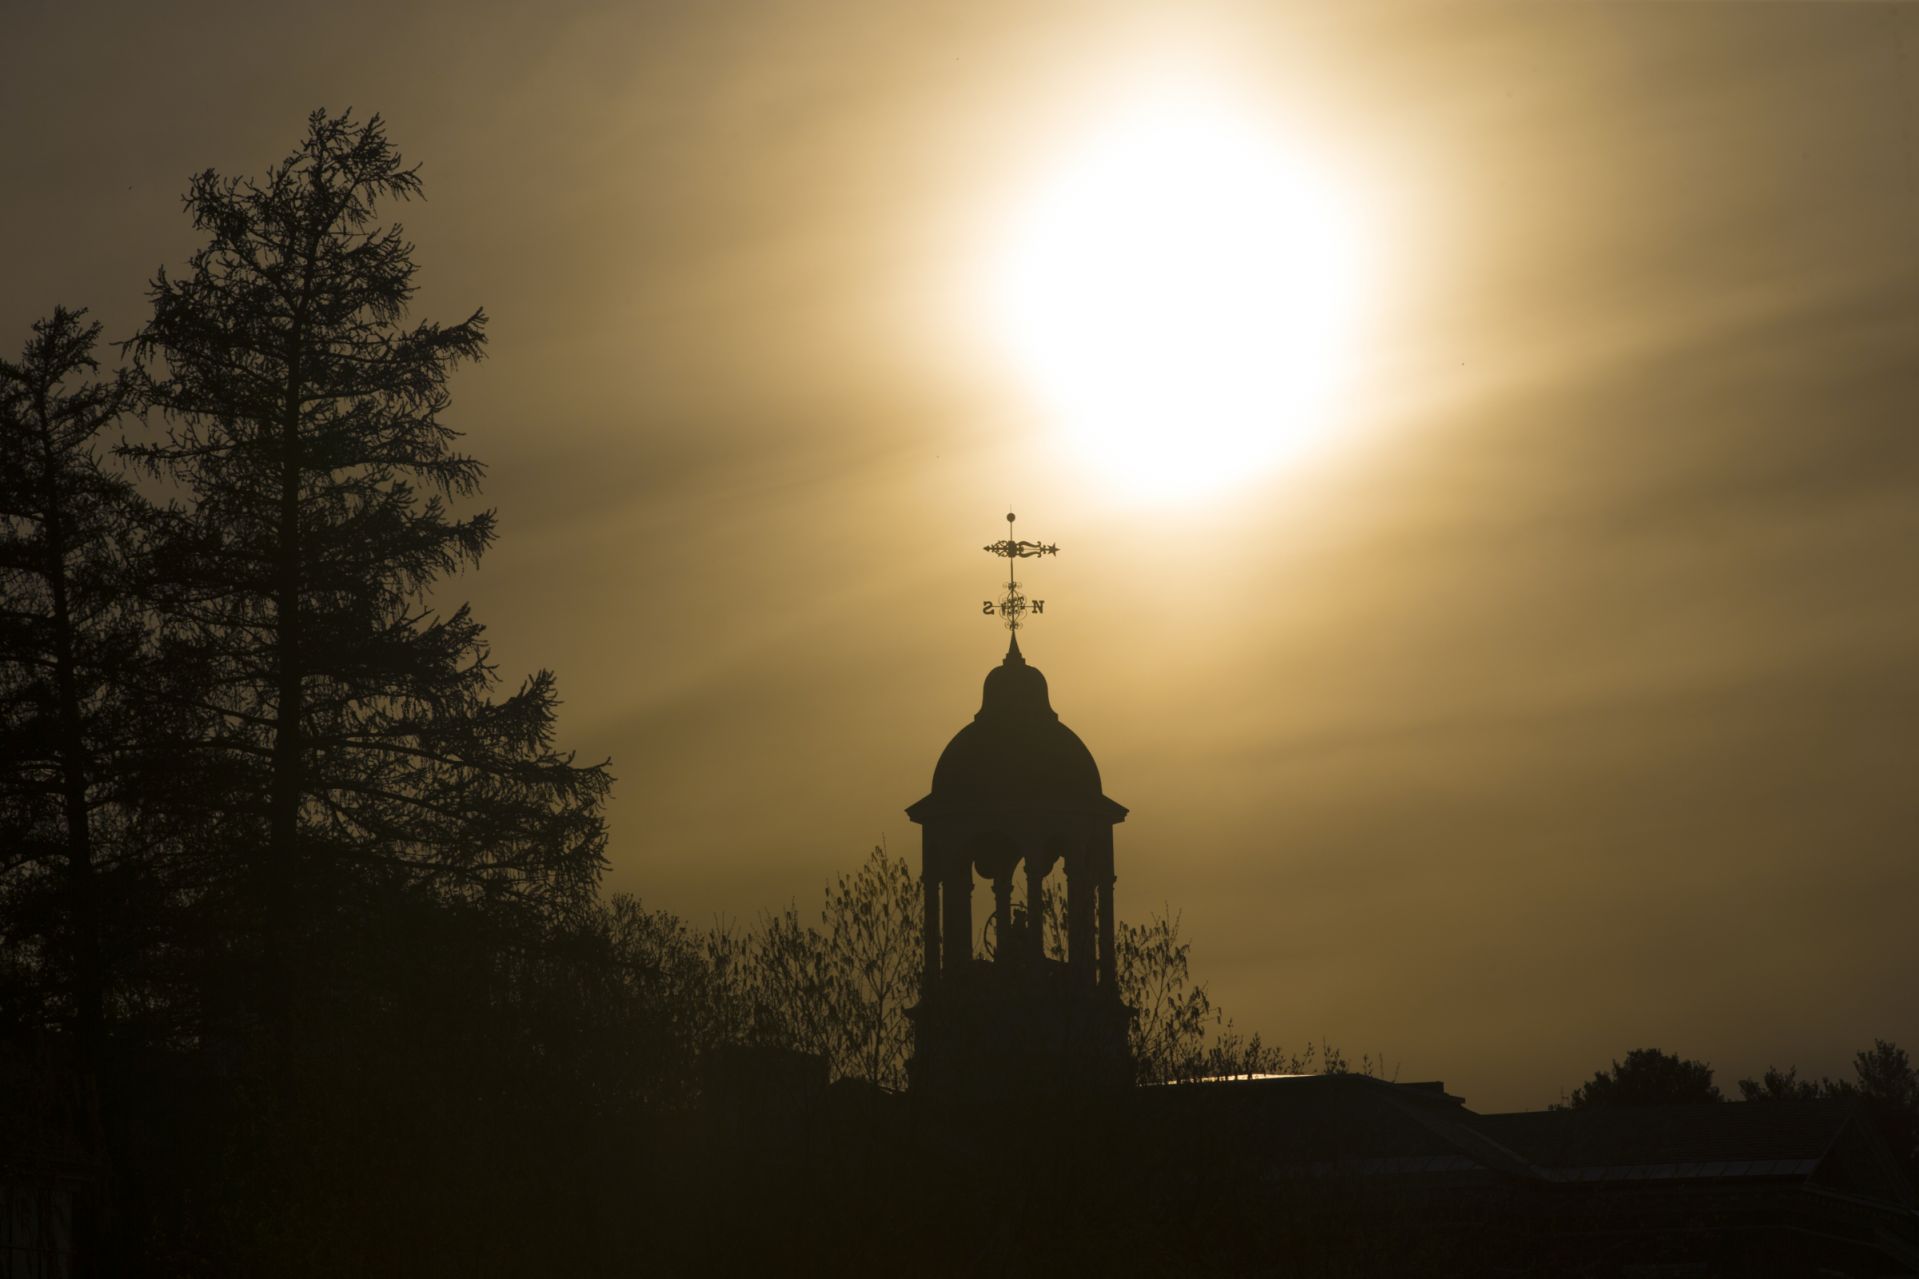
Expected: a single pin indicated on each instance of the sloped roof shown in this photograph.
(1305, 1124)
(1704, 1141)
(1312, 1124)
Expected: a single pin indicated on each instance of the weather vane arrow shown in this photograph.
(1013, 605)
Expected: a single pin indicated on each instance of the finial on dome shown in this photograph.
(1013, 656)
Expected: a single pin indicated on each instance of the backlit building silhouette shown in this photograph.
(1016, 795)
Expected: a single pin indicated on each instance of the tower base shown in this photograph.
(1031, 1031)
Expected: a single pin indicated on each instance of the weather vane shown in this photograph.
(1013, 606)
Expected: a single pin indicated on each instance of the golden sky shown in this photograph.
(1559, 698)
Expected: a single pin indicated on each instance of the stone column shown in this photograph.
(957, 936)
(1079, 915)
(1003, 938)
(1035, 911)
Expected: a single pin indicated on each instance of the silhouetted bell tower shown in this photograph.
(1017, 791)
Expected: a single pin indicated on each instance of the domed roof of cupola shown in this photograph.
(1016, 755)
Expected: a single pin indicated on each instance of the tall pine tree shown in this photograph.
(360, 749)
(71, 645)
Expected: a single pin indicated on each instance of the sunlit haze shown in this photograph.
(1480, 439)
(1182, 293)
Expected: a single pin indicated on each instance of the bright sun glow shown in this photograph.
(1184, 299)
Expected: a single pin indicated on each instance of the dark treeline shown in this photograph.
(304, 963)
(1885, 1082)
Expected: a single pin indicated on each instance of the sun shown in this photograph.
(1183, 295)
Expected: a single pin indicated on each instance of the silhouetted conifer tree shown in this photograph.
(360, 747)
(85, 853)
(70, 643)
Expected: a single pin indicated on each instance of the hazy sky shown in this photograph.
(1562, 698)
